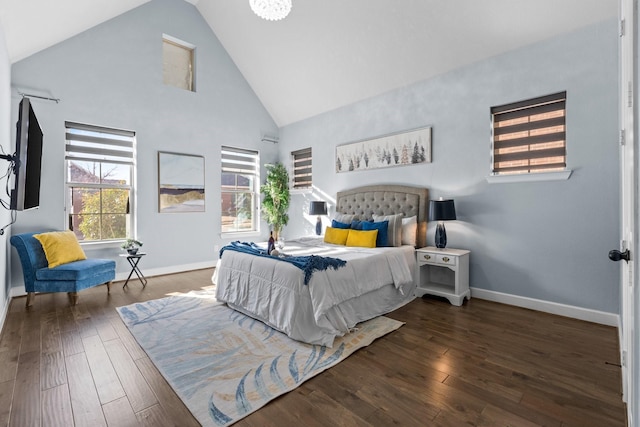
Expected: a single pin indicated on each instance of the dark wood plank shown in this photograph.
(25, 407)
(155, 416)
(129, 342)
(52, 367)
(71, 342)
(137, 390)
(104, 375)
(56, 407)
(119, 413)
(6, 394)
(84, 397)
(9, 363)
(12, 330)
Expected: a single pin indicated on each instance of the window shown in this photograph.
(177, 63)
(529, 136)
(99, 182)
(301, 176)
(240, 189)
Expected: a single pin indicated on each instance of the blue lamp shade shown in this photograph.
(318, 208)
(441, 210)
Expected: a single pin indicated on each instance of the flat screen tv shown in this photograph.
(28, 159)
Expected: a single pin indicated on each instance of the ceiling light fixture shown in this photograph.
(271, 10)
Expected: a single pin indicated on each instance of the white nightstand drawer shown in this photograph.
(446, 259)
(422, 257)
(436, 258)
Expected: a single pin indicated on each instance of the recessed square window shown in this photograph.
(301, 175)
(530, 136)
(178, 60)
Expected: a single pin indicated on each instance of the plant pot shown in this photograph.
(132, 251)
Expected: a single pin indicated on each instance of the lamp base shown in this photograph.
(319, 226)
(441, 236)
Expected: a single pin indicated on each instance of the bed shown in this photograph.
(373, 282)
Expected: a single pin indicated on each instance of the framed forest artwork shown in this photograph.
(398, 149)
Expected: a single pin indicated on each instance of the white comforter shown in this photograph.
(373, 282)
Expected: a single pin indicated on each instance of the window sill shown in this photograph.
(101, 245)
(529, 177)
(239, 234)
(301, 190)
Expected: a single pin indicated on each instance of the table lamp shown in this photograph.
(318, 208)
(441, 210)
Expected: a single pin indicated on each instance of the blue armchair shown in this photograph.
(71, 277)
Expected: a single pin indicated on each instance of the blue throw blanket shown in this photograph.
(308, 264)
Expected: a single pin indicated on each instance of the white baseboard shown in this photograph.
(5, 310)
(19, 291)
(167, 270)
(595, 316)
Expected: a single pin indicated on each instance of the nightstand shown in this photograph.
(443, 272)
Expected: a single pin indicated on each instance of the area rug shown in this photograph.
(225, 365)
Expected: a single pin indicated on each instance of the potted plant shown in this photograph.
(275, 202)
(131, 246)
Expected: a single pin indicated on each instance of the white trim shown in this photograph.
(527, 177)
(167, 270)
(589, 315)
(240, 234)
(5, 310)
(177, 41)
(19, 291)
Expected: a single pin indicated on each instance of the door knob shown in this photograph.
(617, 255)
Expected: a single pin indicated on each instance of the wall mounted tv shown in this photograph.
(28, 159)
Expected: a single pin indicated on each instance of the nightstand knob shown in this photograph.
(445, 258)
(427, 257)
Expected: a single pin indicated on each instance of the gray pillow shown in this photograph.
(344, 218)
(394, 230)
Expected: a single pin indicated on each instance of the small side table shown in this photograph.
(133, 262)
(443, 272)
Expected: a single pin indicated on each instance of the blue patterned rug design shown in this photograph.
(225, 365)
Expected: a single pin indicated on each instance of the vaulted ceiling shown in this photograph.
(330, 53)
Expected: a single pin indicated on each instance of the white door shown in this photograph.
(628, 80)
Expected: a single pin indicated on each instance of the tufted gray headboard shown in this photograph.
(387, 200)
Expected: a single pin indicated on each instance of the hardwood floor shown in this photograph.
(482, 364)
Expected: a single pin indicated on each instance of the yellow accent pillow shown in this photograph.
(60, 247)
(336, 236)
(365, 239)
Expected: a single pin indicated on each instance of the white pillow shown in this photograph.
(409, 230)
(394, 229)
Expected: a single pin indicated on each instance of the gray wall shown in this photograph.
(111, 75)
(543, 240)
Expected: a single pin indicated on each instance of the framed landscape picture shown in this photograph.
(180, 182)
(398, 149)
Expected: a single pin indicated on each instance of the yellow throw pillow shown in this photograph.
(365, 239)
(336, 236)
(60, 247)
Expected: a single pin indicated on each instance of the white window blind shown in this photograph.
(177, 63)
(239, 191)
(302, 169)
(99, 181)
(530, 136)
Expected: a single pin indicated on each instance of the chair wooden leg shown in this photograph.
(73, 297)
(30, 297)
(109, 287)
